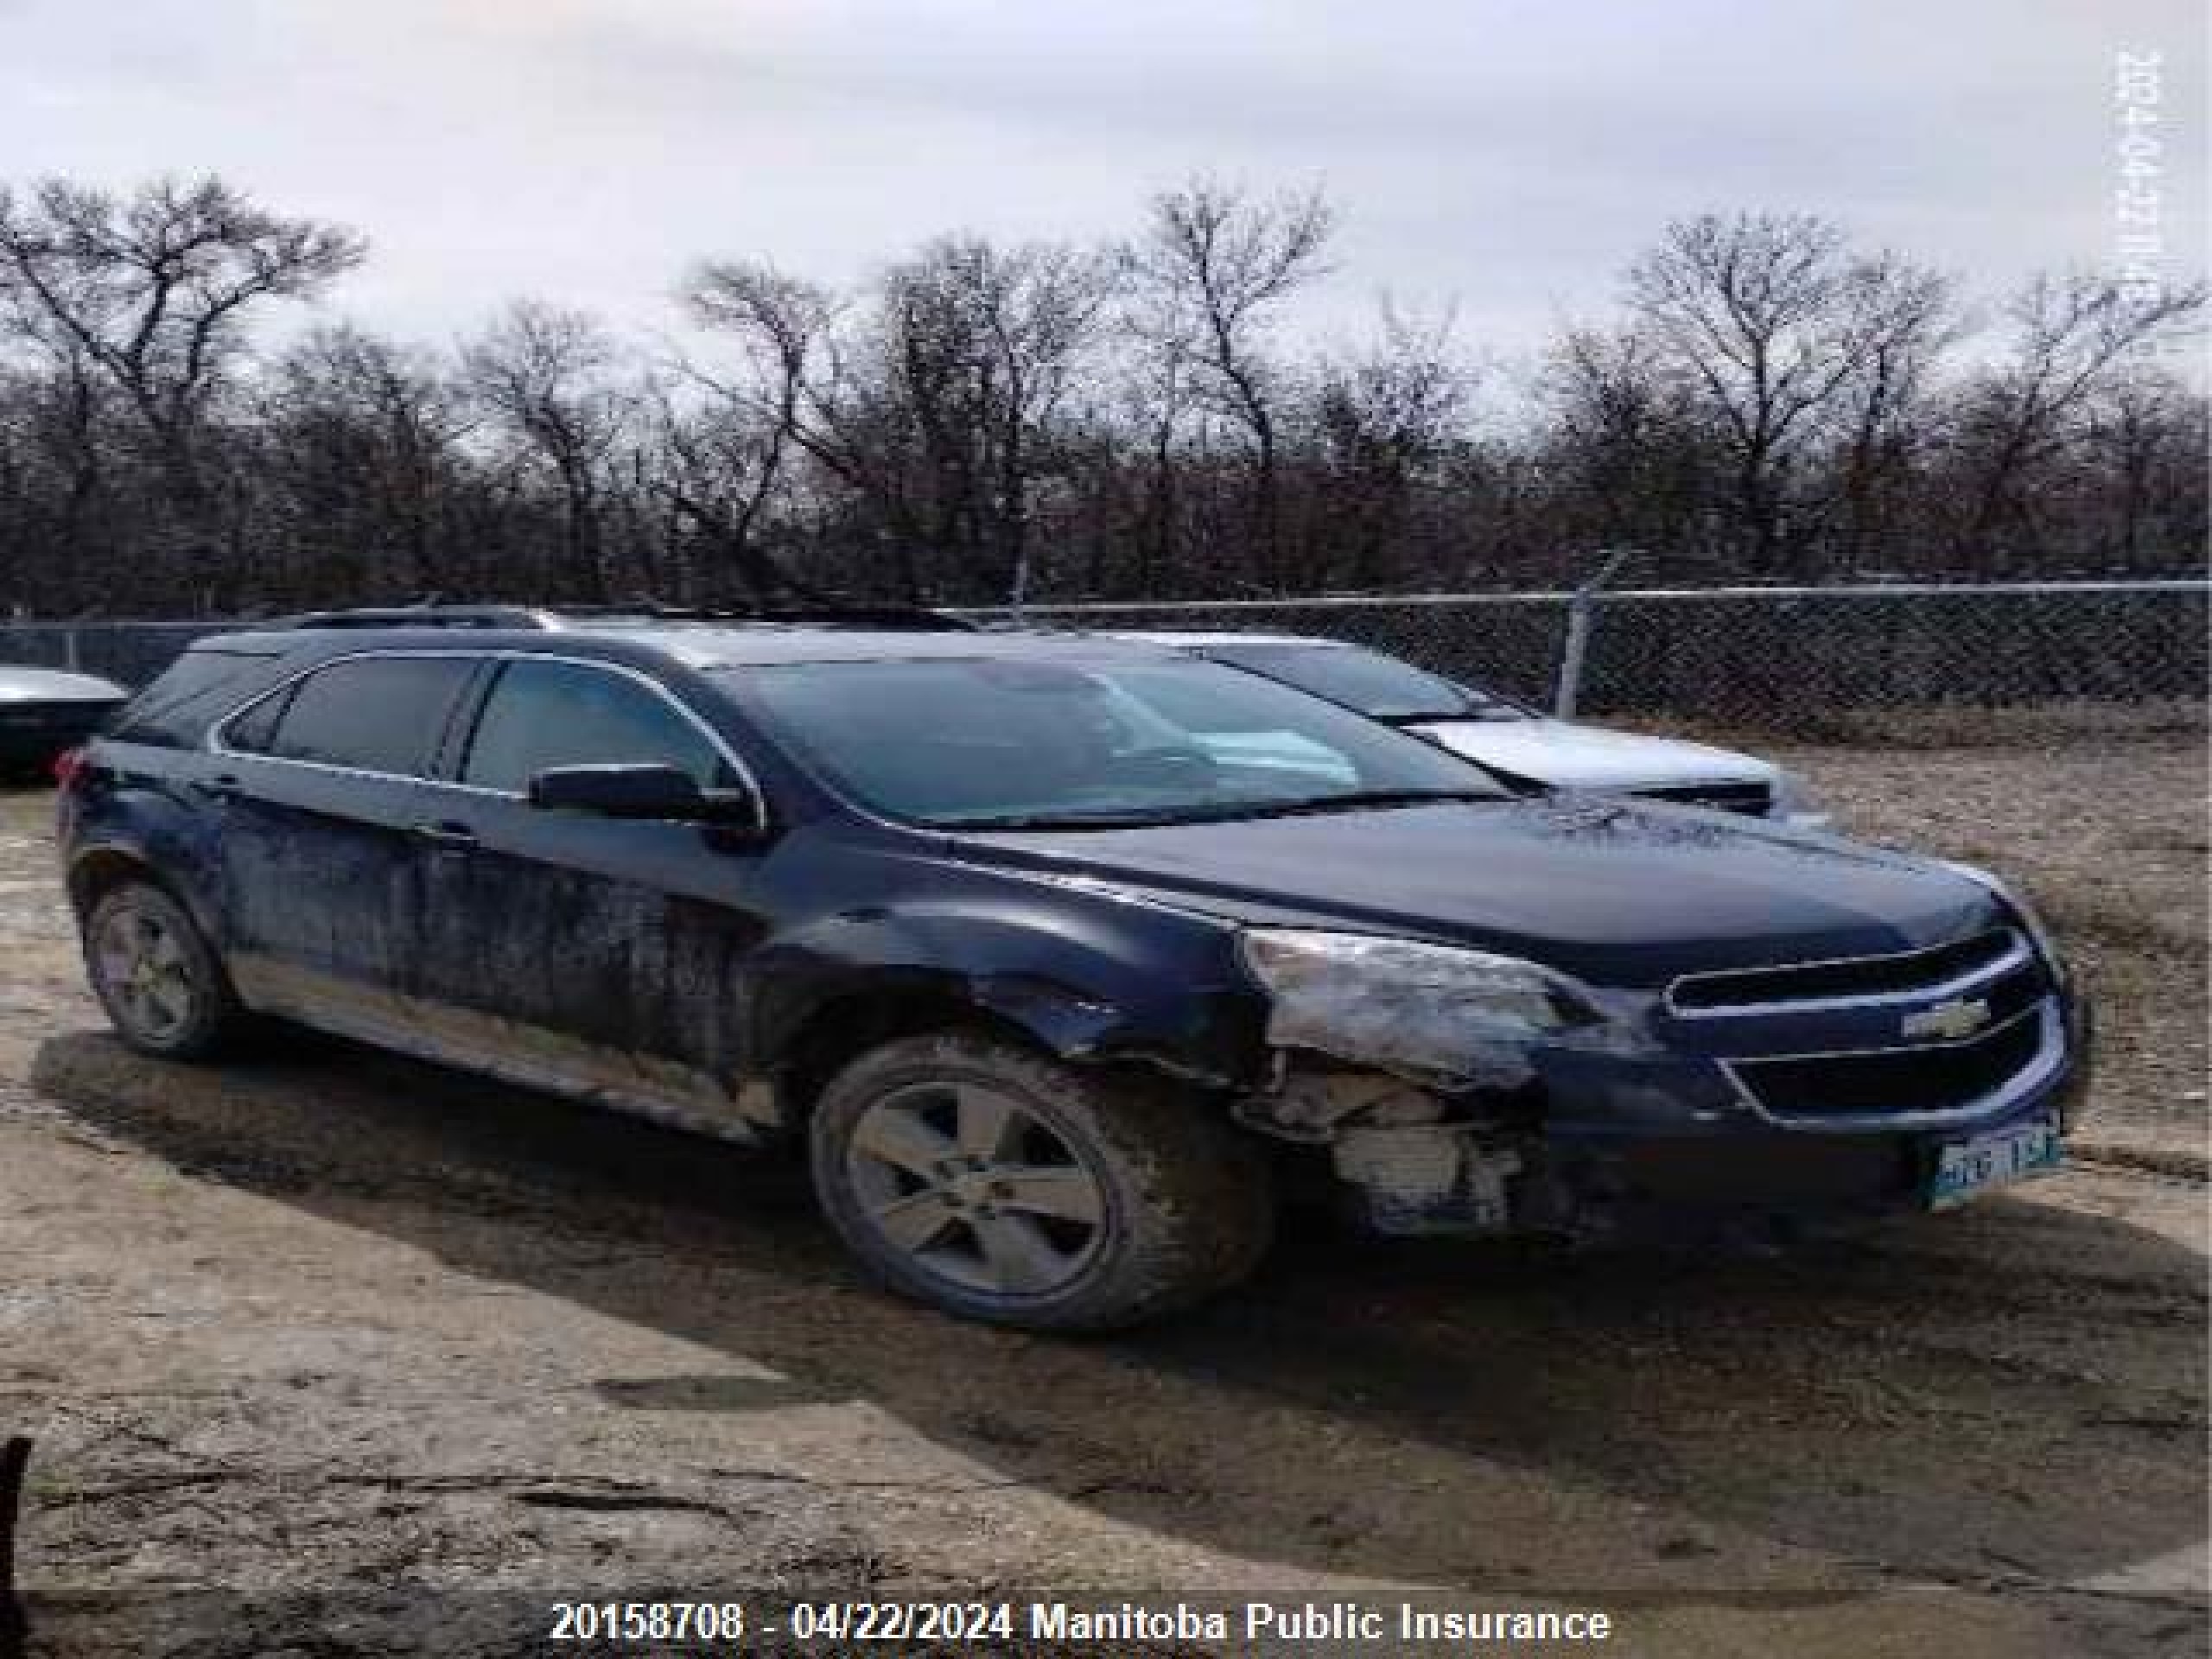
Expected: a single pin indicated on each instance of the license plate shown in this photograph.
(1967, 1169)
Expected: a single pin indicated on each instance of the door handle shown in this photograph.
(221, 787)
(445, 833)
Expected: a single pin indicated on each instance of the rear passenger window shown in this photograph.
(541, 714)
(374, 714)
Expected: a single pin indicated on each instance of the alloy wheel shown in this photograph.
(973, 1186)
(144, 969)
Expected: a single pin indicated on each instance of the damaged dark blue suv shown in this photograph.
(1064, 957)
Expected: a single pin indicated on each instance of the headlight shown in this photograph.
(1341, 973)
(2038, 930)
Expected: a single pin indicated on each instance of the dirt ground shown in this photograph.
(2108, 835)
(331, 1353)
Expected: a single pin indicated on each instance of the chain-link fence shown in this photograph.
(1779, 657)
(1754, 657)
(129, 653)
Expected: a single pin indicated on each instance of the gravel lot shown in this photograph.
(331, 1353)
(2108, 834)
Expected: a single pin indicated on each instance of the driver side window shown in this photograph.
(540, 714)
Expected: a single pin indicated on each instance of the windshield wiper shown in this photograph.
(1445, 716)
(1129, 820)
(1225, 812)
(1359, 798)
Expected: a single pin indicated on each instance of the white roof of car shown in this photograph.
(21, 682)
(1198, 638)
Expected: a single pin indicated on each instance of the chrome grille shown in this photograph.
(1938, 1034)
(1932, 971)
(1933, 1077)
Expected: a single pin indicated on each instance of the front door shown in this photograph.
(602, 956)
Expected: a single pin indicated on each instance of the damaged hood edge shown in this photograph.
(1618, 895)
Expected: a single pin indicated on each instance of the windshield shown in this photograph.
(1366, 680)
(1009, 744)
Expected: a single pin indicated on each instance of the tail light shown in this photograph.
(68, 767)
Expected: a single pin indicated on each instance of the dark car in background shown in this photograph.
(1058, 992)
(45, 711)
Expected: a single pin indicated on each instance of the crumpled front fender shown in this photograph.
(1097, 994)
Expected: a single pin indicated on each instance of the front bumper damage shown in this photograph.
(1433, 1178)
(1597, 1136)
(1416, 1159)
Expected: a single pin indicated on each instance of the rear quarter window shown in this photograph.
(189, 695)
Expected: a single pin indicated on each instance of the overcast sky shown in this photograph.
(1509, 156)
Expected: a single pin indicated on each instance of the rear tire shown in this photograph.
(160, 981)
(1004, 1187)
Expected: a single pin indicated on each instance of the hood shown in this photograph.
(19, 685)
(1614, 893)
(1562, 755)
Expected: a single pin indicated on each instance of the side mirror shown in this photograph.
(666, 793)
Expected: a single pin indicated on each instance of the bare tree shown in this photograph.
(1213, 271)
(57, 477)
(987, 344)
(1751, 308)
(810, 382)
(154, 292)
(544, 377)
(1626, 450)
(938, 406)
(2072, 336)
(1897, 320)
(990, 421)
(2147, 433)
(1161, 396)
(362, 437)
(725, 457)
(1388, 416)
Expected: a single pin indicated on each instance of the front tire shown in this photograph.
(156, 976)
(1006, 1187)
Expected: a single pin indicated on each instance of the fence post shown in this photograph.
(1582, 607)
(1569, 689)
(69, 657)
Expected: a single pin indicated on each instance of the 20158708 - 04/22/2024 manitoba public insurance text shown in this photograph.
(1336, 1622)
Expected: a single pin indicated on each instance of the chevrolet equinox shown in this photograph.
(1064, 958)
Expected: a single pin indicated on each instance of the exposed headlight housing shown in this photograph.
(1514, 995)
(1435, 1011)
(2038, 930)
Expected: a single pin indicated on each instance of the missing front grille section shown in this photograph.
(1940, 1078)
(1915, 971)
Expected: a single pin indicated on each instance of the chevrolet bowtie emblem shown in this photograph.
(1954, 1019)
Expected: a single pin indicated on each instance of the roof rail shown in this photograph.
(443, 614)
(419, 616)
(824, 613)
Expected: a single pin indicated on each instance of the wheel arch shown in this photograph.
(98, 871)
(839, 1029)
(95, 872)
(1049, 1020)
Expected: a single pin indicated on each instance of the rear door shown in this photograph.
(321, 784)
(591, 953)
